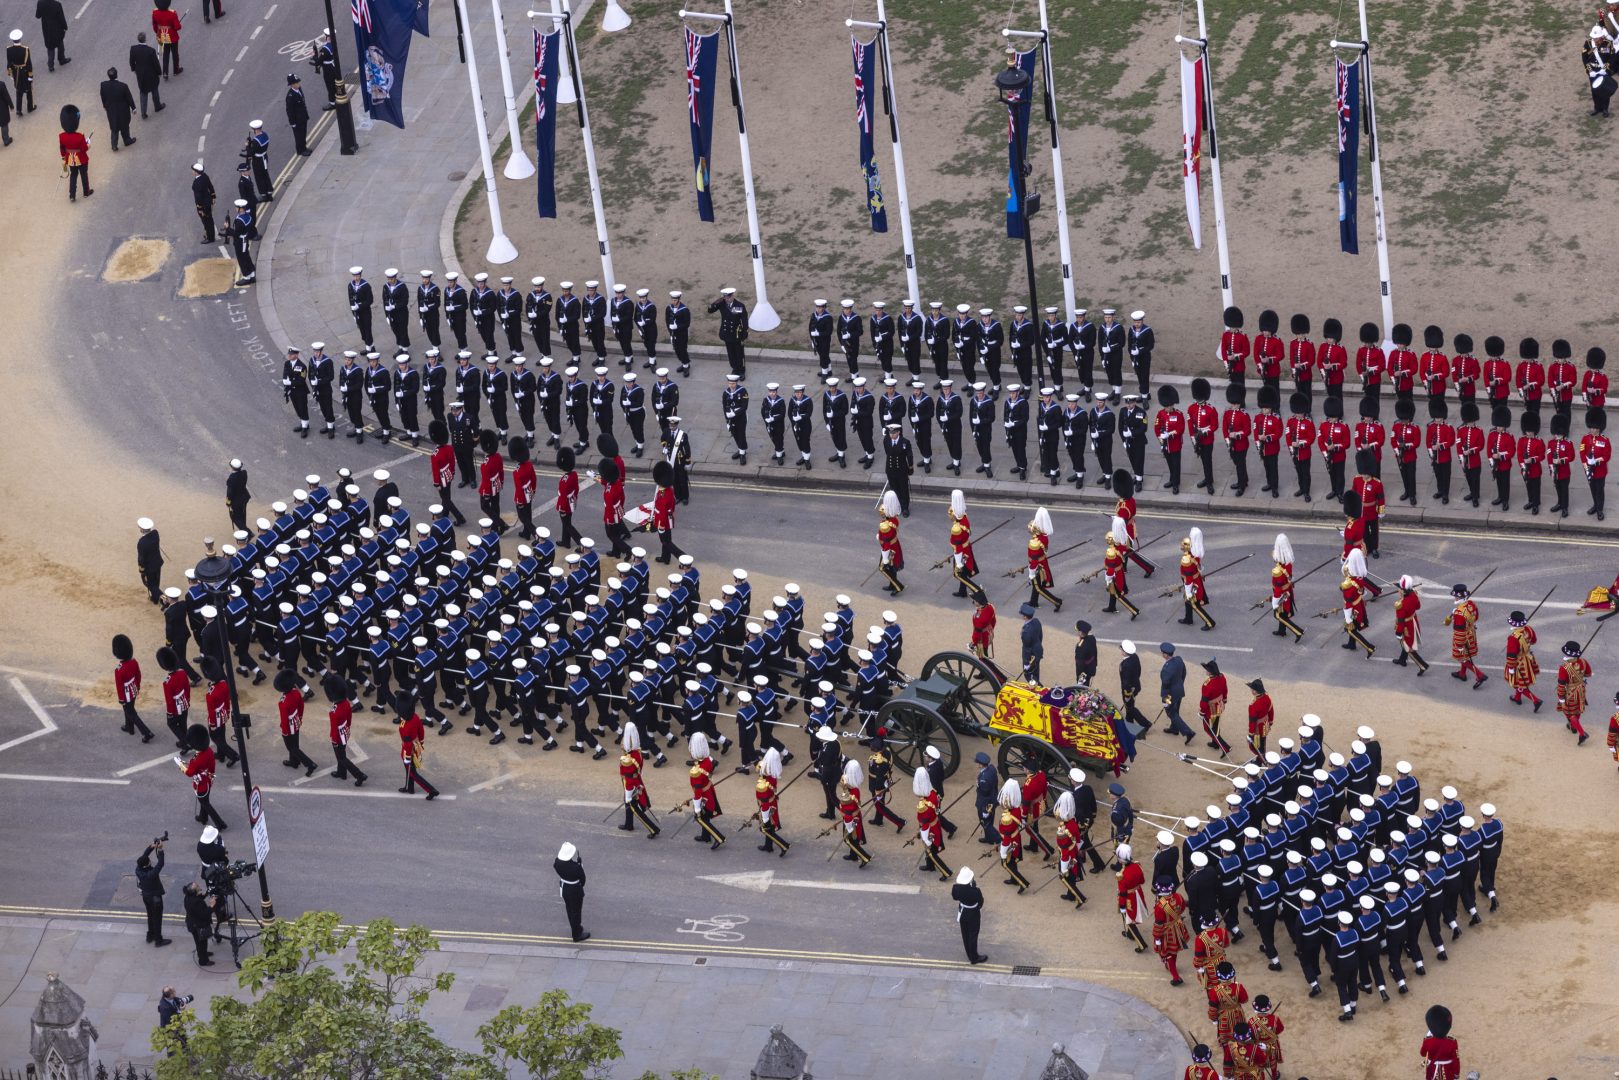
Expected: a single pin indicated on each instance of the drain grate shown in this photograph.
(1026, 969)
(700, 961)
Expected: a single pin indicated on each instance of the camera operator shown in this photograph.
(170, 1005)
(210, 851)
(150, 879)
(200, 909)
(215, 861)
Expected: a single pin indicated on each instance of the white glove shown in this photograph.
(697, 806)
(1349, 617)
(1275, 603)
(1189, 591)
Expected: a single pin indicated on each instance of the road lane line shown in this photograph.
(207, 116)
(332, 791)
(257, 30)
(144, 765)
(501, 779)
(65, 779)
(202, 140)
(588, 803)
(270, 12)
(85, 7)
(227, 76)
(215, 99)
(240, 55)
(47, 725)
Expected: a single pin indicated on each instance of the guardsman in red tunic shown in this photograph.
(705, 806)
(1116, 570)
(1560, 461)
(1464, 636)
(1497, 373)
(1301, 355)
(1440, 440)
(636, 800)
(567, 497)
(1561, 376)
(1283, 603)
(963, 564)
(411, 734)
(216, 711)
(1211, 705)
(1367, 492)
(1234, 346)
(764, 792)
(291, 709)
(1405, 439)
(1369, 435)
(1268, 437)
(890, 555)
(1594, 383)
(983, 638)
(1464, 367)
(1226, 998)
(931, 835)
(1403, 366)
(1595, 451)
(1267, 1028)
(1332, 437)
(1300, 436)
(1370, 363)
(491, 478)
(1268, 350)
(1355, 618)
(1194, 592)
(1529, 378)
(1033, 792)
(1572, 675)
(1208, 951)
(853, 825)
(524, 482)
(1433, 366)
(1200, 1069)
(1500, 447)
(1245, 1058)
(340, 720)
(176, 694)
(1531, 459)
(1203, 421)
(1521, 668)
(1169, 428)
(1470, 450)
(1408, 626)
(1613, 730)
(1169, 933)
(1331, 358)
(1261, 715)
(1011, 848)
(663, 512)
(1070, 849)
(1132, 900)
(1441, 1057)
(200, 771)
(1039, 571)
(126, 678)
(1237, 426)
(1124, 514)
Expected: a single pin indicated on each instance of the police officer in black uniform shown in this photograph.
(297, 115)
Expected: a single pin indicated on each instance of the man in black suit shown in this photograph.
(297, 116)
(148, 72)
(120, 106)
(53, 29)
(1172, 689)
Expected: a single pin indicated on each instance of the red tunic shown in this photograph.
(1125, 509)
(613, 502)
(1011, 831)
(1529, 380)
(1039, 565)
(1169, 933)
(341, 719)
(567, 492)
(1132, 902)
(1116, 568)
(1560, 457)
(703, 795)
(1521, 668)
(984, 629)
(1354, 605)
(201, 771)
(166, 26)
(1034, 796)
(1268, 355)
(1463, 632)
(1333, 438)
(443, 466)
(1440, 439)
(1333, 359)
(1234, 351)
(217, 705)
(1301, 359)
(1199, 1071)
(1226, 1001)
(1212, 699)
(524, 481)
(1372, 499)
(1169, 426)
(1441, 1058)
(1572, 676)
(1281, 587)
(1261, 715)
(1595, 451)
(892, 554)
(491, 475)
(1300, 437)
(1497, 379)
(176, 693)
(1407, 626)
(1464, 372)
(1192, 579)
(1470, 445)
(1268, 433)
(854, 823)
(1370, 364)
(1405, 439)
(291, 708)
(1069, 846)
(769, 808)
(1594, 388)
(1531, 453)
(1236, 426)
(411, 734)
(1204, 420)
(1369, 435)
(663, 509)
(1560, 378)
(126, 678)
(74, 148)
(927, 826)
(961, 545)
(629, 774)
(1403, 368)
(1434, 369)
(1500, 447)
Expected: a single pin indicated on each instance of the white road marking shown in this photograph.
(46, 724)
(67, 680)
(202, 140)
(240, 55)
(207, 116)
(501, 779)
(589, 803)
(1196, 645)
(84, 8)
(271, 11)
(254, 36)
(226, 78)
(336, 791)
(761, 880)
(143, 766)
(357, 754)
(65, 779)
(215, 99)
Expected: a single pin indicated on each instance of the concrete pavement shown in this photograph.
(855, 1021)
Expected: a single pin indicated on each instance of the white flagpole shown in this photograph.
(518, 165)
(501, 249)
(899, 162)
(763, 317)
(1220, 242)
(1375, 153)
(1063, 247)
(590, 149)
(565, 94)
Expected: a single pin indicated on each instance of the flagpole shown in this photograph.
(501, 249)
(1373, 152)
(518, 165)
(1220, 242)
(1064, 248)
(763, 317)
(565, 94)
(891, 102)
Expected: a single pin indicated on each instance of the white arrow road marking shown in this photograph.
(47, 725)
(62, 779)
(326, 791)
(761, 880)
(143, 766)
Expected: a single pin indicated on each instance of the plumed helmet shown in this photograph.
(663, 474)
(1301, 324)
(1400, 335)
(1201, 389)
(1233, 317)
(1269, 322)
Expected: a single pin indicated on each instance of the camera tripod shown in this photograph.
(237, 939)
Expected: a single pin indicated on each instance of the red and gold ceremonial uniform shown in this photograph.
(1010, 828)
(1234, 350)
(1441, 1059)
(1407, 624)
(1211, 705)
(983, 639)
(491, 477)
(411, 736)
(1464, 638)
(1370, 435)
(705, 802)
(1300, 436)
(1200, 1070)
(1370, 365)
(1133, 902)
(1125, 510)
(177, 698)
(1245, 1059)
(1332, 436)
(890, 554)
(1039, 564)
(1433, 368)
(1267, 1028)
(1531, 456)
(1560, 460)
(126, 678)
(1169, 933)
(1572, 676)
(1070, 858)
(1192, 586)
(1261, 715)
(1530, 381)
(769, 812)
(1613, 735)
(200, 770)
(1208, 949)
(961, 549)
(663, 510)
(1522, 669)
(1236, 426)
(1204, 420)
(1268, 353)
(524, 481)
(1115, 568)
(1226, 1001)
(931, 835)
(216, 707)
(1403, 368)
(166, 28)
(567, 493)
(1355, 617)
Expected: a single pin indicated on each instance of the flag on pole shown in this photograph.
(1348, 154)
(547, 50)
(1017, 154)
(865, 67)
(382, 34)
(1194, 114)
(702, 51)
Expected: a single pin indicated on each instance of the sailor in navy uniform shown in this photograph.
(677, 320)
(821, 330)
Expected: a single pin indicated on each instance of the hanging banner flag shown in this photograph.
(701, 53)
(1015, 153)
(382, 34)
(865, 67)
(1348, 154)
(546, 56)
(1193, 114)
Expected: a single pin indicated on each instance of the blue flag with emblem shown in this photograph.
(382, 35)
(702, 52)
(865, 66)
(1348, 154)
(546, 63)
(1016, 154)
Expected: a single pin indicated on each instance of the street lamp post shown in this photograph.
(1012, 86)
(213, 574)
(347, 142)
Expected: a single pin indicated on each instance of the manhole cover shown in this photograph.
(1025, 969)
(457, 176)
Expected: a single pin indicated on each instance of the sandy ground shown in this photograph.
(1489, 182)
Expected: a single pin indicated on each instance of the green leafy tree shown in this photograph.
(553, 1040)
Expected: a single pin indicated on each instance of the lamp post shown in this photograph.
(213, 574)
(1012, 86)
(347, 142)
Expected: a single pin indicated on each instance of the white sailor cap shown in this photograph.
(239, 203)
(935, 304)
(908, 302)
(643, 293)
(1051, 311)
(1448, 792)
(846, 303)
(662, 373)
(986, 311)
(570, 371)
(1020, 309)
(451, 275)
(963, 308)
(878, 304)
(620, 288)
(858, 380)
(255, 124)
(675, 294)
(565, 285)
(480, 276)
(197, 167)
(979, 386)
(599, 371)
(1109, 311)
(592, 284)
(1138, 315)
(629, 376)
(728, 291)
(798, 387)
(772, 386)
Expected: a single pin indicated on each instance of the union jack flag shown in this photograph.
(542, 45)
(360, 10)
(694, 81)
(862, 109)
(1345, 116)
